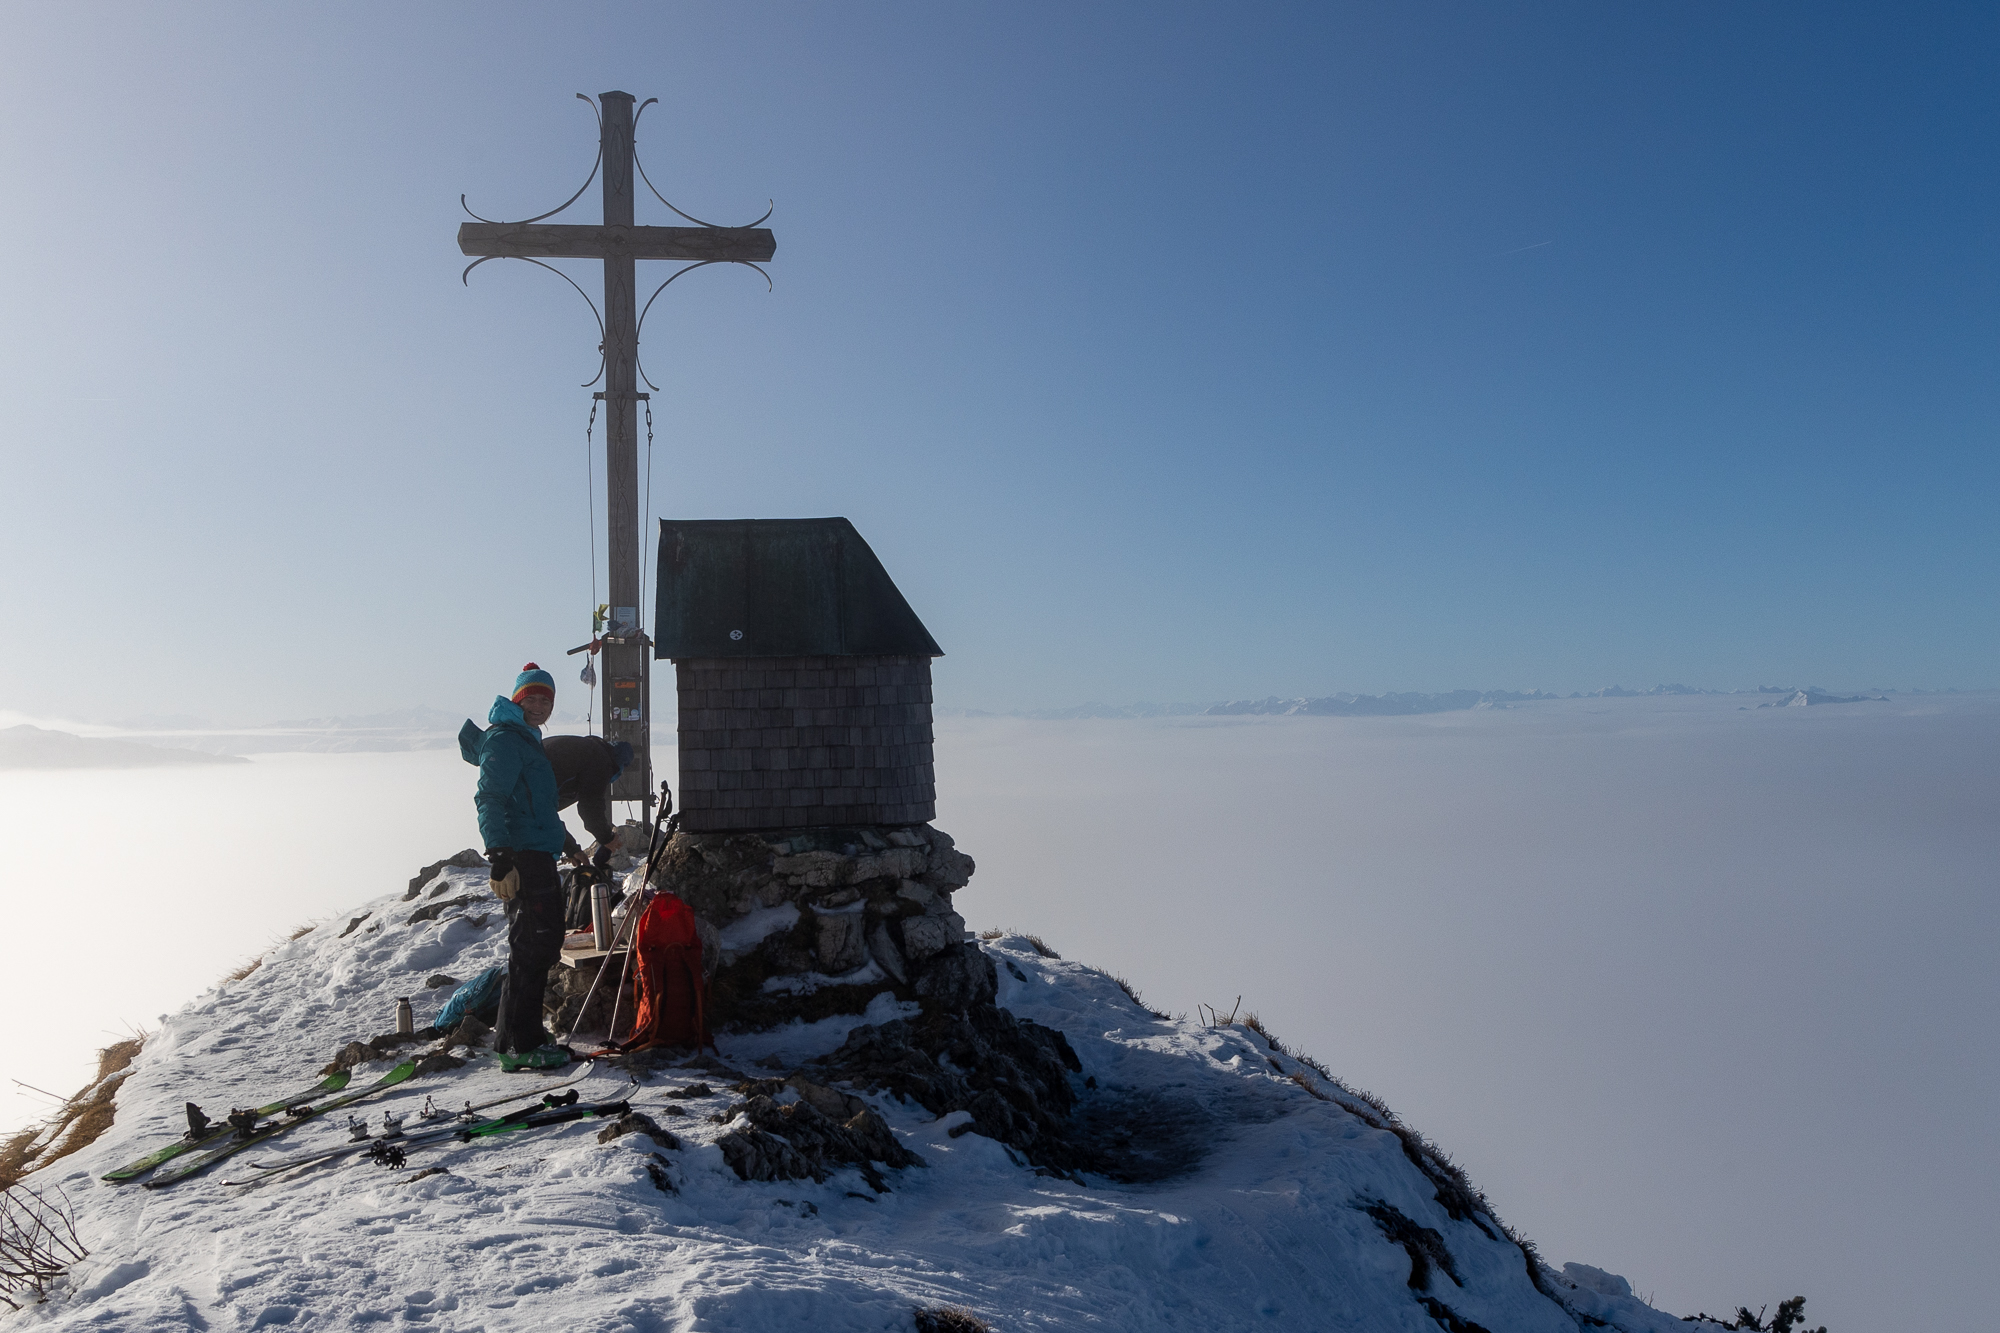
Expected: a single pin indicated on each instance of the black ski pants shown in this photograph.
(534, 943)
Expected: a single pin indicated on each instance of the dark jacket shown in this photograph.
(584, 767)
(516, 797)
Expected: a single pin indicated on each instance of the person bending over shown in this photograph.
(585, 768)
(516, 800)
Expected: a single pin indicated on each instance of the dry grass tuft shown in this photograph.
(257, 962)
(1132, 993)
(77, 1124)
(15, 1155)
(1034, 940)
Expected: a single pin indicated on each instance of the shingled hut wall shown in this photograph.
(805, 742)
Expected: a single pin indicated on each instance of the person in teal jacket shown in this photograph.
(523, 835)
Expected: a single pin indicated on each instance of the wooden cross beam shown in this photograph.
(619, 244)
(541, 240)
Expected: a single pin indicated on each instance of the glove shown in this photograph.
(504, 876)
(601, 858)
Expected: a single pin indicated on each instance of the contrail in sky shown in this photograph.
(1536, 246)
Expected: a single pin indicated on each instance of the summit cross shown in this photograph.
(620, 244)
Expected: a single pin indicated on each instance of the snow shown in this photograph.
(551, 1229)
(747, 932)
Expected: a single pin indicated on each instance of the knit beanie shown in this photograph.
(533, 680)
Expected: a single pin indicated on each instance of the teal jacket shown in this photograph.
(516, 797)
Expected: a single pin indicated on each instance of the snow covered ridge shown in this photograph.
(1279, 1199)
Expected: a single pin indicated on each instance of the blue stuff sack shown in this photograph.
(479, 997)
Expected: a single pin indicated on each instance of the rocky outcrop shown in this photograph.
(1012, 1075)
(806, 1139)
(468, 859)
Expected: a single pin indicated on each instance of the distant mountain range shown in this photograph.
(1397, 704)
(1812, 694)
(33, 747)
(179, 739)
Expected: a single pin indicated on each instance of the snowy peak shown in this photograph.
(1255, 1189)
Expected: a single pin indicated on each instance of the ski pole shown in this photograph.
(629, 929)
(658, 845)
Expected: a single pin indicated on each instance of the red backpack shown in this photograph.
(672, 994)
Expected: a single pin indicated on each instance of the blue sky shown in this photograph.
(1167, 352)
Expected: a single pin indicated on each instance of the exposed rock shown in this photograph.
(468, 859)
(813, 1142)
(1010, 1073)
(946, 867)
(568, 987)
(382, 1047)
(958, 978)
(924, 936)
(882, 948)
(842, 942)
(432, 911)
(1423, 1244)
(829, 1102)
(755, 1155)
(350, 1055)
(638, 1122)
(352, 924)
(438, 981)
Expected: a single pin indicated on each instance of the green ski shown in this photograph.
(361, 1145)
(215, 1133)
(187, 1166)
(390, 1152)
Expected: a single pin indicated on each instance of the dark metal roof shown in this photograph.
(779, 587)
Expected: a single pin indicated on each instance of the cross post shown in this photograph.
(627, 657)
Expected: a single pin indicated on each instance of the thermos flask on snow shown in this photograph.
(406, 1018)
(600, 914)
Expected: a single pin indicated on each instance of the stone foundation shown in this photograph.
(813, 923)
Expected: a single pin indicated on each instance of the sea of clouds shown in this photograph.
(1700, 990)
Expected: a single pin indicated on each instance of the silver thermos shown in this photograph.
(406, 1018)
(600, 914)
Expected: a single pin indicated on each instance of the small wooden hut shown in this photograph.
(804, 678)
